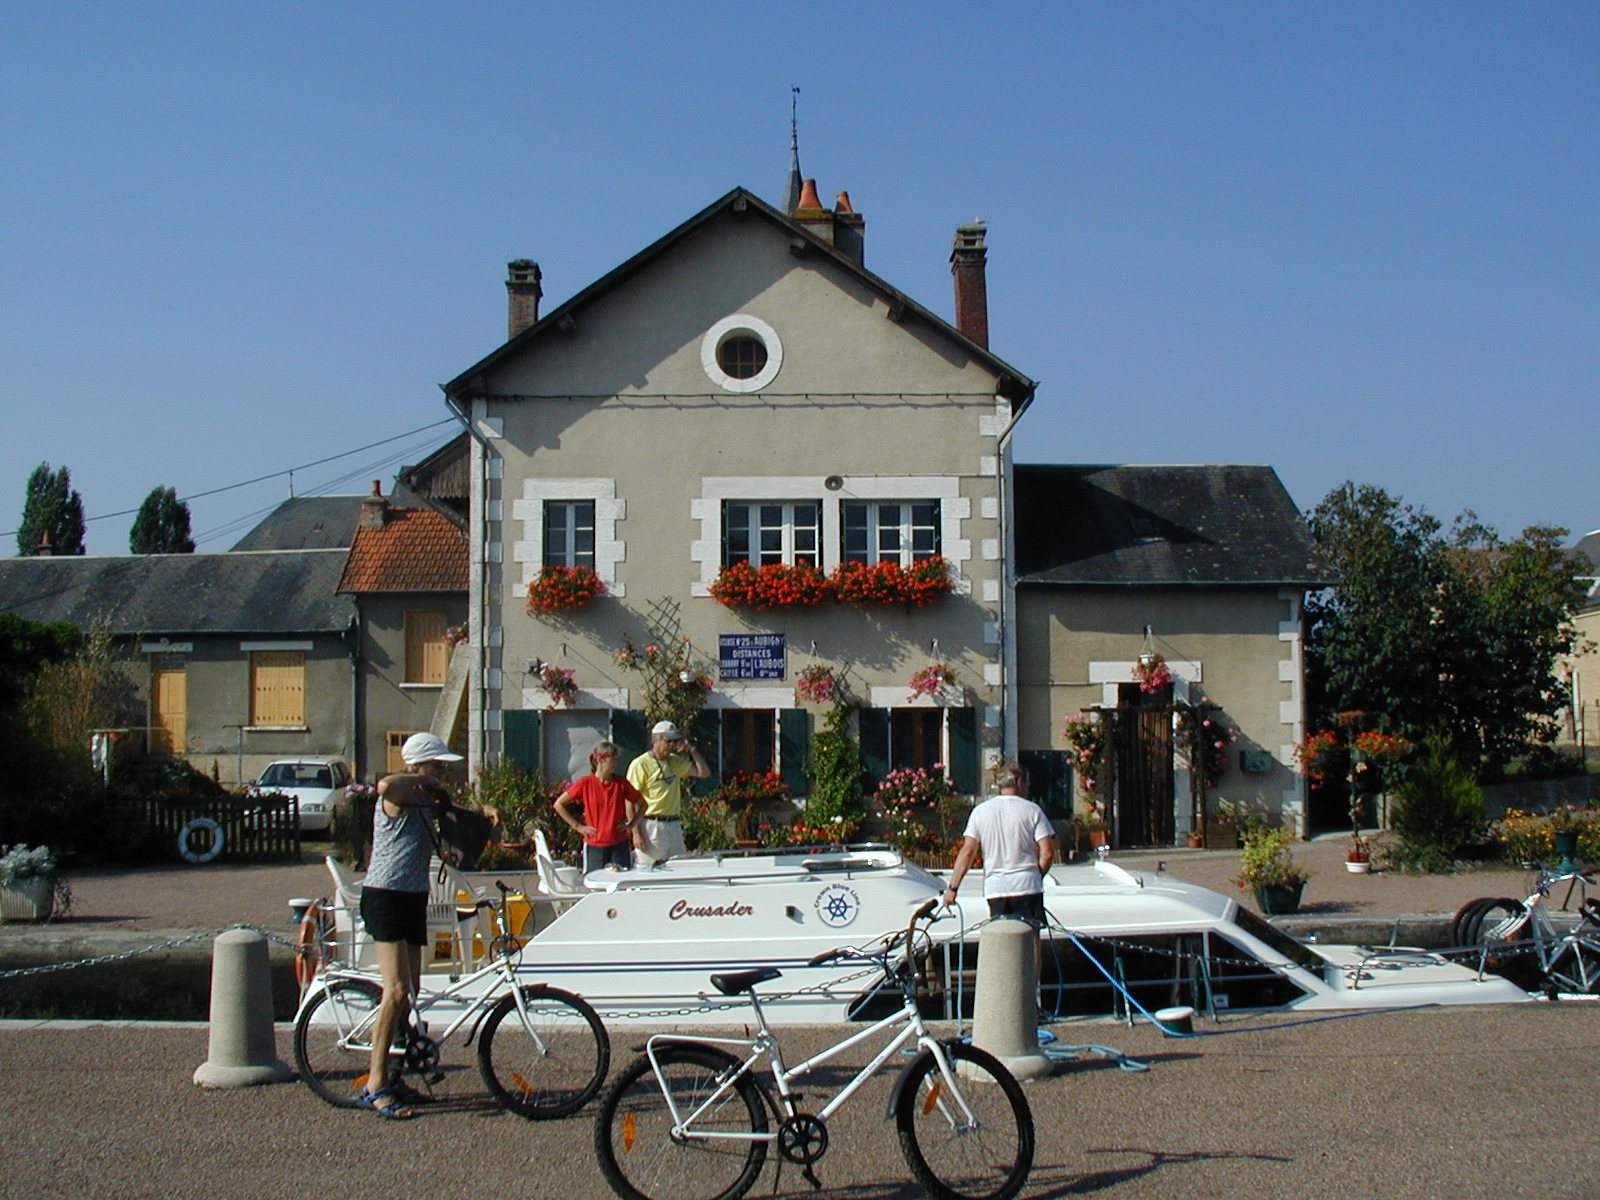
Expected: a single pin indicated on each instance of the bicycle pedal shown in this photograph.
(811, 1178)
(436, 1077)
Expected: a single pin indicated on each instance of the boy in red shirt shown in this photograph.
(611, 808)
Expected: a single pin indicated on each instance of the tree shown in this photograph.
(51, 508)
(162, 526)
(1456, 635)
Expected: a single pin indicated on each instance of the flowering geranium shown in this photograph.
(1085, 735)
(773, 585)
(817, 685)
(923, 583)
(800, 832)
(1381, 745)
(1152, 673)
(558, 685)
(1314, 754)
(562, 589)
(932, 679)
(909, 798)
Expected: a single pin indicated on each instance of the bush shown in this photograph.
(1439, 811)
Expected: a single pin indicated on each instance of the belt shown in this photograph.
(648, 817)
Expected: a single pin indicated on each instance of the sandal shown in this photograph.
(386, 1103)
(409, 1095)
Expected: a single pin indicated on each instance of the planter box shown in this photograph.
(28, 899)
(1222, 835)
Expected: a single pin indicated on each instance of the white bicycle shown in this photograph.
(688, 1120)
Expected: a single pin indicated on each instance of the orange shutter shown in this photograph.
(278, 687)
(427, 656)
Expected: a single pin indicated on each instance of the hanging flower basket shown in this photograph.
(1151, 673)
(563, 589)
(559, 685)
(932, 680)
(817, 685)
(775, 585)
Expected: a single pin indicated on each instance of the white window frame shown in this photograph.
(566, 508)
(788, 527)
(609, 550)
(741, 325)
(906, 555)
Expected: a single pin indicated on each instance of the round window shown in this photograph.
(741, 353)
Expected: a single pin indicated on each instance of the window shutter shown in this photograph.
(707, 735)
(962, 724)
(522, 737)
(1049, 780)
(629, 733)
(873, 724)
(794, 737)
(427, 656)
(278, 687)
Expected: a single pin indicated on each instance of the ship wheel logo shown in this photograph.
(837, 905)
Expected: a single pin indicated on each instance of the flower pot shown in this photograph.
(1222, 835)
(31, 899)
(1567, 847)
(1277, 899)
(1196, 841)
(1358, 866)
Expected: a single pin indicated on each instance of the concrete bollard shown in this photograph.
(243, 1051)
(1005, 1010)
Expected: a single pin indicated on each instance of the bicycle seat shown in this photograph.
(737, 982)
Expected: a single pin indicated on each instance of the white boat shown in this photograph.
(640, 945)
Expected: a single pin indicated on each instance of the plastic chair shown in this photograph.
(556, 879)
(452, 921)
(351, 945)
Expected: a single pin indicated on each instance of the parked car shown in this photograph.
(316, 781)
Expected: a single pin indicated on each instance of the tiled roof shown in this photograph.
(415, 550)
(288, 591)
(312, 523)
(1160, 525)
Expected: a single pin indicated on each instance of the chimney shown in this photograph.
(967, 264)
(46, 545)
(374, 508)
(524, 293)
(849, 230)
(809, 213)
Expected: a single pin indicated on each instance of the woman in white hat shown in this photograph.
(394, 903)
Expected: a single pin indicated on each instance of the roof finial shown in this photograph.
(792, 196)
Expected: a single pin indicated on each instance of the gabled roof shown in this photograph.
(1588, 549)
(1160, 525)
(1012, 383)
(311, 523)
(414, 550)
(288, 591)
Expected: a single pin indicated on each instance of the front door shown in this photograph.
(169, 691)
(1142, 749)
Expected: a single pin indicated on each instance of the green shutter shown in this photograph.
(629, 733)
(874, 726)
(794, 736)
(522, 737)
(1049, 780)
(962, 724)
(707, 735)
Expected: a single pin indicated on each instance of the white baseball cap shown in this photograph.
(666, 729)
(426, 747)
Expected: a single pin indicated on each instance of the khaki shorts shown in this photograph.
(662, 839)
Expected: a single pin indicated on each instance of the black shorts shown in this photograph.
(1029, 907)
(392, 916)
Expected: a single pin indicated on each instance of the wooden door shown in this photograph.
(169, 690)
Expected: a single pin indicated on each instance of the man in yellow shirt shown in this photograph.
(659, 775)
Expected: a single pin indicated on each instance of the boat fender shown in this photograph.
(190, 854)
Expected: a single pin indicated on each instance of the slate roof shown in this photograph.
(312, 523)
(289, 591)
(1160, 525)
(415, 550)
(1588, 548)
(1011, 383)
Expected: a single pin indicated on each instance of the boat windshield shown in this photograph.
(1263, 931)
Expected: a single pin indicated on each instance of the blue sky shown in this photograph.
(1354, 241)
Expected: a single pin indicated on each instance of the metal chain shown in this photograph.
(728, 1005)
(124, 955)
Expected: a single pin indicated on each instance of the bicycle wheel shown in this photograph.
(546, 1058)
(985, 1158)
(332, 1045)
(633, 1139)
(1575, 970)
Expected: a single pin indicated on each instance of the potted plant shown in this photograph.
(30, 889)
(1151, 673)
(1358, 859)
(817, 685)
(1267, 868)
(559, 685)
(563, 589)
(1223, 825)
(932, 680)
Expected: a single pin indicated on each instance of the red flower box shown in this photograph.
(562, 589)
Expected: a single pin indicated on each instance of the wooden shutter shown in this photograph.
(873, 724)
(278, 687)
(427, 656)
(522, 737)
(794, 738)
(962, 724)
(629, 733)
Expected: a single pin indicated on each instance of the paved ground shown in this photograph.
(1472, 1104)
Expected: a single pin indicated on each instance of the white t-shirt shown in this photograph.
(1010, 828)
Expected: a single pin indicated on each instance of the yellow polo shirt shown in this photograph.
(660, 782)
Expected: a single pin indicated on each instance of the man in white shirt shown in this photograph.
(1018, 844)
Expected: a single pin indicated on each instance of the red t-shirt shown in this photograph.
(605, 806)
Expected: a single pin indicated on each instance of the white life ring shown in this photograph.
(195, 856)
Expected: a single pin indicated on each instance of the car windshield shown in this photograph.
(297, 775)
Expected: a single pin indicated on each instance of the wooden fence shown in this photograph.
(267, 832)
